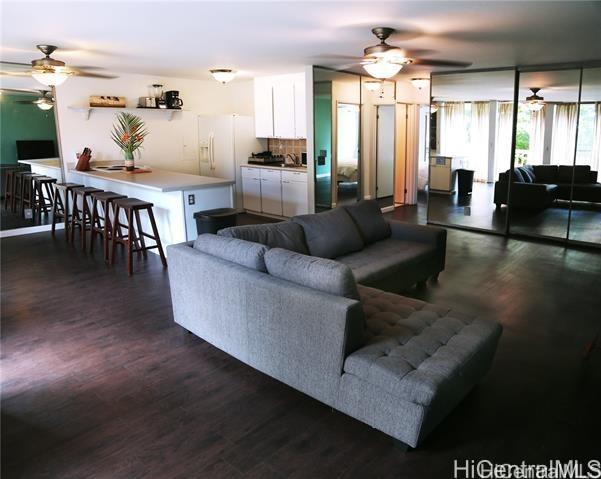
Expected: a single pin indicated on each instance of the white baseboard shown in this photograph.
(29, 230)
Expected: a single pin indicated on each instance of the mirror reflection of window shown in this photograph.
(347, 155)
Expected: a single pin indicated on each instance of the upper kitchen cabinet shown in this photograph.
(280, 106)
(263, 107)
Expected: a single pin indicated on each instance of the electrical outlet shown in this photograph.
(28, 213)
(467, 211)
(191, 199)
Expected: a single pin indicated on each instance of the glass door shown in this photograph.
(546, 132)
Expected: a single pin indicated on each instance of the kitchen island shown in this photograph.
(176, 196)
(45, 166)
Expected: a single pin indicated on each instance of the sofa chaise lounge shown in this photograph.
(538, 186)
(395, 363)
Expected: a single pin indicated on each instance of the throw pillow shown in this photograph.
(286, 234)
(369, 220)
(330, 234)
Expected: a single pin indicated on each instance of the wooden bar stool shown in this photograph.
(60, 205)
(16, 194)
(82, 217)
(43, 197)
(9, 188)
(101, 223)
(27, 193)
(132, 207)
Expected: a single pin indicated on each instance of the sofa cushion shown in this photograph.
(546, 173)
(582, 174)
(330, 234)
(317, 273)
(285, 234)
(420, 352)
(527, 174)
(517, 176)
(369, 220)
(238, 251)
(384, 258)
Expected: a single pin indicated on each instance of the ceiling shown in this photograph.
(185, 39)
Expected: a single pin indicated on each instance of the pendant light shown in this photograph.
(382, 68)
(535, 102)
(420, 83)
(223, 75)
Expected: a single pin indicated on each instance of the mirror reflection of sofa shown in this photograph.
(538, 186)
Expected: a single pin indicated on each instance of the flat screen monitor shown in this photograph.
(34, 149)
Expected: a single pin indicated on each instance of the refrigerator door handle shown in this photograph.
(211, 151)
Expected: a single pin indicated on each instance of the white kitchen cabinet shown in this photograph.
(283, 106)
(300, 107)
(294, 193)
(251, 189)
(271, 192)
(263, 107)
(280, 110)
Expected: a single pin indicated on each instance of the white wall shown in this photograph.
(170, 144)
(407, 93)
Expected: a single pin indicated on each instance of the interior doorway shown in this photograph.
(385, 150)
(348, 130)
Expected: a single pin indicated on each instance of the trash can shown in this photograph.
(465, 181)
(211, 221)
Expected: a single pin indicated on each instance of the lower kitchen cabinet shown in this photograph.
(274, 192)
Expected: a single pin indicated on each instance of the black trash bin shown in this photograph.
(211, 221)
(465, 181)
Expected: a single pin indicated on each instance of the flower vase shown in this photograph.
(129, 161)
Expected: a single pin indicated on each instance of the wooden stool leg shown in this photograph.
(54, 210)
(155, 232)
(106, 210)
(114, 234)
(130, 242)
(74, 217)
(66, 212)
(85, 213)
(141, 234)
(93, 220)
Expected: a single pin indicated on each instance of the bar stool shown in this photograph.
(27, 193)
(9, 181)
(101, 224)
(132, 208)
(60, 206)
(81, 218)
(43, 197)
(16, 187)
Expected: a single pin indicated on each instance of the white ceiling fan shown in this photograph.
(45, 100)
(47, 70)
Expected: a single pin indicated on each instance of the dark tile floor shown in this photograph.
(98, 381)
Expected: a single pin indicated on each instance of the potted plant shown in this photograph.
(128, 133)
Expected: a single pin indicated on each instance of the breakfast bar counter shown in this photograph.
(175, 196)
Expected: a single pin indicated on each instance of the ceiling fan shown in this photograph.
(47, 70)
(384, 60)
(45, 100)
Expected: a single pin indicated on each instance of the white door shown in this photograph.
(283, 106)
(294, 193)
(385, 151)
(263, 107)
(300, 107)
(271, 192)
(216, 142)
(251, 189)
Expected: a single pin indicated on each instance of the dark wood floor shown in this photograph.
(97, 380)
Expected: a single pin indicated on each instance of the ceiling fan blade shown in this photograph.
(17, 64)
(15, 74)
(93, 75)
(334, 56)
(440, 63)
(21, 91)
(24, 102)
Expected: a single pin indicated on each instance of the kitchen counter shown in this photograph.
(300, 169)
(157, 180)
(53, 163)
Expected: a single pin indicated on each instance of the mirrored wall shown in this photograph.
(517, 152)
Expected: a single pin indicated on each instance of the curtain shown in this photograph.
(564, 134)
(453, 137)
(478, 155)
(503, 140)
(596, 156)
(537, 137)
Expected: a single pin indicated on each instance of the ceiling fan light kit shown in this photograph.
(420, 83)
(223, 75)
(382, 69)
(535, 102)
(45, 105)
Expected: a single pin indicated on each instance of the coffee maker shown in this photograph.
(173, 100)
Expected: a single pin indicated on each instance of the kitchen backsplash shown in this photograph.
(283, 147)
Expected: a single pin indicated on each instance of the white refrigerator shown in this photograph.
(226, 142)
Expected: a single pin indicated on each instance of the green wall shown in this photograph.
(20, 121)
(322, 111)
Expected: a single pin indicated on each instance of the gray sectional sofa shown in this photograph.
(395, 363)
(384, 254)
